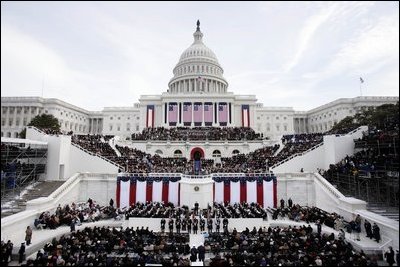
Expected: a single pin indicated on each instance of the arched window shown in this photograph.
(216, 153)
(159, 152)
(178, 153)
(235, 152)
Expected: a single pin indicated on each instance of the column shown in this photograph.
(192, 106)
(195, 85)
(202, 114)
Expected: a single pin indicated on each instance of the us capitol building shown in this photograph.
(197, 96)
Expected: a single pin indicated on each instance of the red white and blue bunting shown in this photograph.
(133, 189)
(257, 189)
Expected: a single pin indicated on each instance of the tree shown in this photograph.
(43, 121)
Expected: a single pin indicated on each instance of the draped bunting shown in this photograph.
(253, 188)
(132, 189)
(259, 189)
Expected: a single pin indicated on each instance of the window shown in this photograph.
(111, 118)
(128, 127)
(284, 118)
(118, 128)
(10, 122)
(111, 128)
(17, 122)
(137, 127)
(119, 118)
(178, 153)
(3, 122)
(216, 153)
(25, 121)
(235, 152)
(9, 134)
(277, 127)
(277, 118)
(285, 128)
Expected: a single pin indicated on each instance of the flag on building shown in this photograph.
(197, 114)
(187, 113)
(245, 116)
(222, 114)
(150, 116)
(208, 113)
(173, 114)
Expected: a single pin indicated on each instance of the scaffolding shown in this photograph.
(23, 162)
(379, 186)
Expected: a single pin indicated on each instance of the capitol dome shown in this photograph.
(198, 70)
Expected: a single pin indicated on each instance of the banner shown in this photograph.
(187, 114)
(172, 114)
(261, 190)
(132, 189)
(223, 114)
(245, 116)
(150, 116)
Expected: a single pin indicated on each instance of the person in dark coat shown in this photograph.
(210, 225)
(195, 225)
(225, 224)
(171, 225)
(189, 225)
(193, 254)
(368, 229)
(290, 202)
(111, 202)
(282, 203)
(73, 225)
(389, 255)
(28, 235)
(202, 225)
(319, 227)
(21, 252)
(162, 225)
(202, 252)
(376, 232)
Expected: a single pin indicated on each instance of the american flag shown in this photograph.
(222, 112)
(173, 112)
(208, 112)
(187, 112)
(197, 115)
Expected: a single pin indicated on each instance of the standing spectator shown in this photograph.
(21, 252)
(368, 229)
(111, 202)
(397, 257)
(162, 225)
(319, 227)
(210, 225)
(9, 248)
(171, 225)
(195, 225)
(202, 224)
(72, 225)
(202, 252)
(225, 224)
(178, 225)
(389, 255)
(376, 232)
(189, 225)
(193, 253)
(217, 225)
(282, 203)
(290, 203)
(28, 235)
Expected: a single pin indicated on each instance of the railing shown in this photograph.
(297, 154)
(37, 129)
(65, 186)
(97, 155)
(328, 186)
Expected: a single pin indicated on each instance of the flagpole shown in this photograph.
(360, 89)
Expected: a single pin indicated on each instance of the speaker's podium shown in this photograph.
(198, 190)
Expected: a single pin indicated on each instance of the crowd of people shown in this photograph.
(283, 246)
(135, 161)
(198, 134)
(76, 214)
(106, 246)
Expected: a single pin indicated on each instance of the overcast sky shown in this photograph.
(291, 54)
